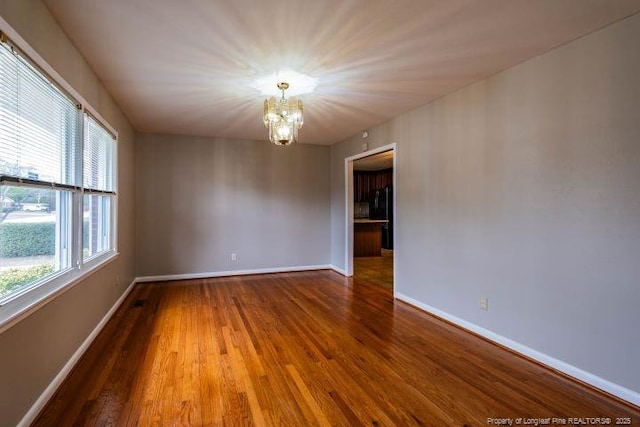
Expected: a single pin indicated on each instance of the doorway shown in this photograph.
(370, 199)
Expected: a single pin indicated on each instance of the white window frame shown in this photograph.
(18, 305)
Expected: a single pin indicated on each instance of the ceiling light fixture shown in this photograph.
(283, 117)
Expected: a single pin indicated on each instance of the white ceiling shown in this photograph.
(186, 67)
(375, 162)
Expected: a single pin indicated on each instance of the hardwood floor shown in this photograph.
(375, 270)
(298, 349)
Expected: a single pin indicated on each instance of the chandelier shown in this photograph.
(283, 117)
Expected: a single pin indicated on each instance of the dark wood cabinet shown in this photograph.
(367, 238)
(365, 182)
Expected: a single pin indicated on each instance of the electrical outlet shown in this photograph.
(484, 303)
(234, 256)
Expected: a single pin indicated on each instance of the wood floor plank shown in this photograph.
(298, 349)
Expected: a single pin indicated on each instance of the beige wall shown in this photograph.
(201, 199)
(525, 188)
(33, 351)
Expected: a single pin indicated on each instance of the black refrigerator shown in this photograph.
(381, 207)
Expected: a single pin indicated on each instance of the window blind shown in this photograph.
(39, 129)
(99, 150)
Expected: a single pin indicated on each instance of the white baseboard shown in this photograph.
(48, 393)
(338, 270)
(231, 273)
(577, 373)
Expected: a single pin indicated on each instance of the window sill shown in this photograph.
(15, 309)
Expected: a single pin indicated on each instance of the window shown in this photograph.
(96, 236)
(57, 182)
(98, 168)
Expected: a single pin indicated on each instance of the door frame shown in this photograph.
(348, 179)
